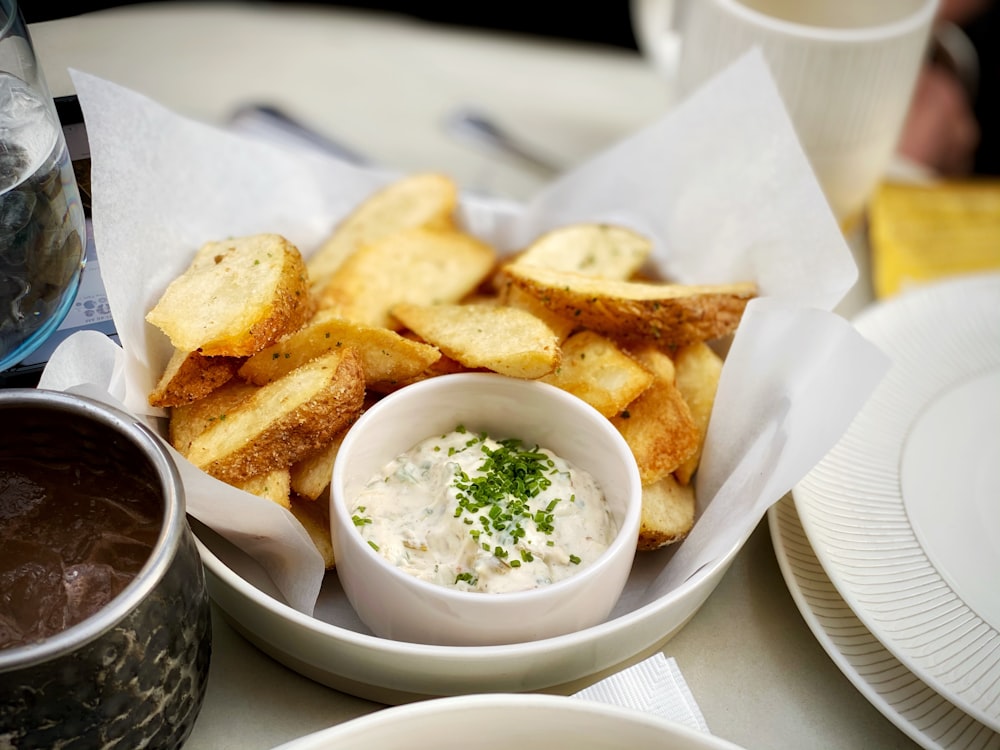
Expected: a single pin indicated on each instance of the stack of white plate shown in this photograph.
(891, 545)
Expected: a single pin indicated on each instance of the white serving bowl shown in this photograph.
(399, 606)
(502, 721)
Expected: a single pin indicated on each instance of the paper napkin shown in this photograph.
(654, 686)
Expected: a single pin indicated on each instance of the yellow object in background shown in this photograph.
(923, 232)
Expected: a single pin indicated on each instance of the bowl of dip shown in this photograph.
(105, 624)
(479, 509)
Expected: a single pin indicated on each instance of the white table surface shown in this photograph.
(383, 85)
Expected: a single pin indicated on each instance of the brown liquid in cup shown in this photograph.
(72, 536)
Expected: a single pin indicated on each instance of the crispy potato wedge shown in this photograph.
(513, 296)
(385, 355)
(422, 266)
(418, 200)
(315, 518)
(285, 420)
(658, 426)
(595, 369)
(190, 376)
(274, 485)
(236, 297)
(502, 339)
(668, 509)
(668, 314)
(697, 370)
(310, 477)
(604, 250)
(443, 366)
(188, 421)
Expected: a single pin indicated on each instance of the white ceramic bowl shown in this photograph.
(397, 605)
(502, 721)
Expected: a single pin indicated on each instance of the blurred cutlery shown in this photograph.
(274, 124)
(479, 129)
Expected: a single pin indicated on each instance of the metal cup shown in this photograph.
(42, 224)
(132, 674)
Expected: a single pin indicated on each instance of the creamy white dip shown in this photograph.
(466, 511)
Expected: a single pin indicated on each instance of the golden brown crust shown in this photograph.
(236, 297)
(668, 510)
(594, 368)
(657, 425)
(667, 314)
(190, 376)
(419, 265)
(501, 339)
(275, 486)
(284, 421)
(385, 355)
(315, 518)
(188, 421)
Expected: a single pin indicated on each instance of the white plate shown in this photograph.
(336, 649)
(902, 697)
(503, 721)
(904, 512)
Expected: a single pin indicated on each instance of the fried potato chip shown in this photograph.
(310, 477)
(189, 376)
(513, 296)
(443, 366)
(273, 485)
(502, 339)
(236, 297)
(421, 266)
(418, 200)
(668, 510)
(604, 250)
(697, 370)
(668, 314)
(595, 369)
(385, 355)
(658, 426)
(315, 519)
(188, 421)
(283, 421)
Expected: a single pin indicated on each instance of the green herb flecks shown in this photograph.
(497, 499)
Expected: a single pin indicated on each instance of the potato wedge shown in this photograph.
(273, 485)
(697, 370)
(385, 355)
(315, 519)
(506, 340)
(418, 200)
(189, 376)
(513, 296)
(283, 421)
(668, 509)
(422, 266)
(443, 366)
(658, 426)
(310, 477)
(595, 369)
(188, 421)
(604, 250)
(668, 314)
(236, 297)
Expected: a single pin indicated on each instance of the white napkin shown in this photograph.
(655, 686)
(720, 185)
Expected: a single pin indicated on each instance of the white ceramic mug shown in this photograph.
(846, 71)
